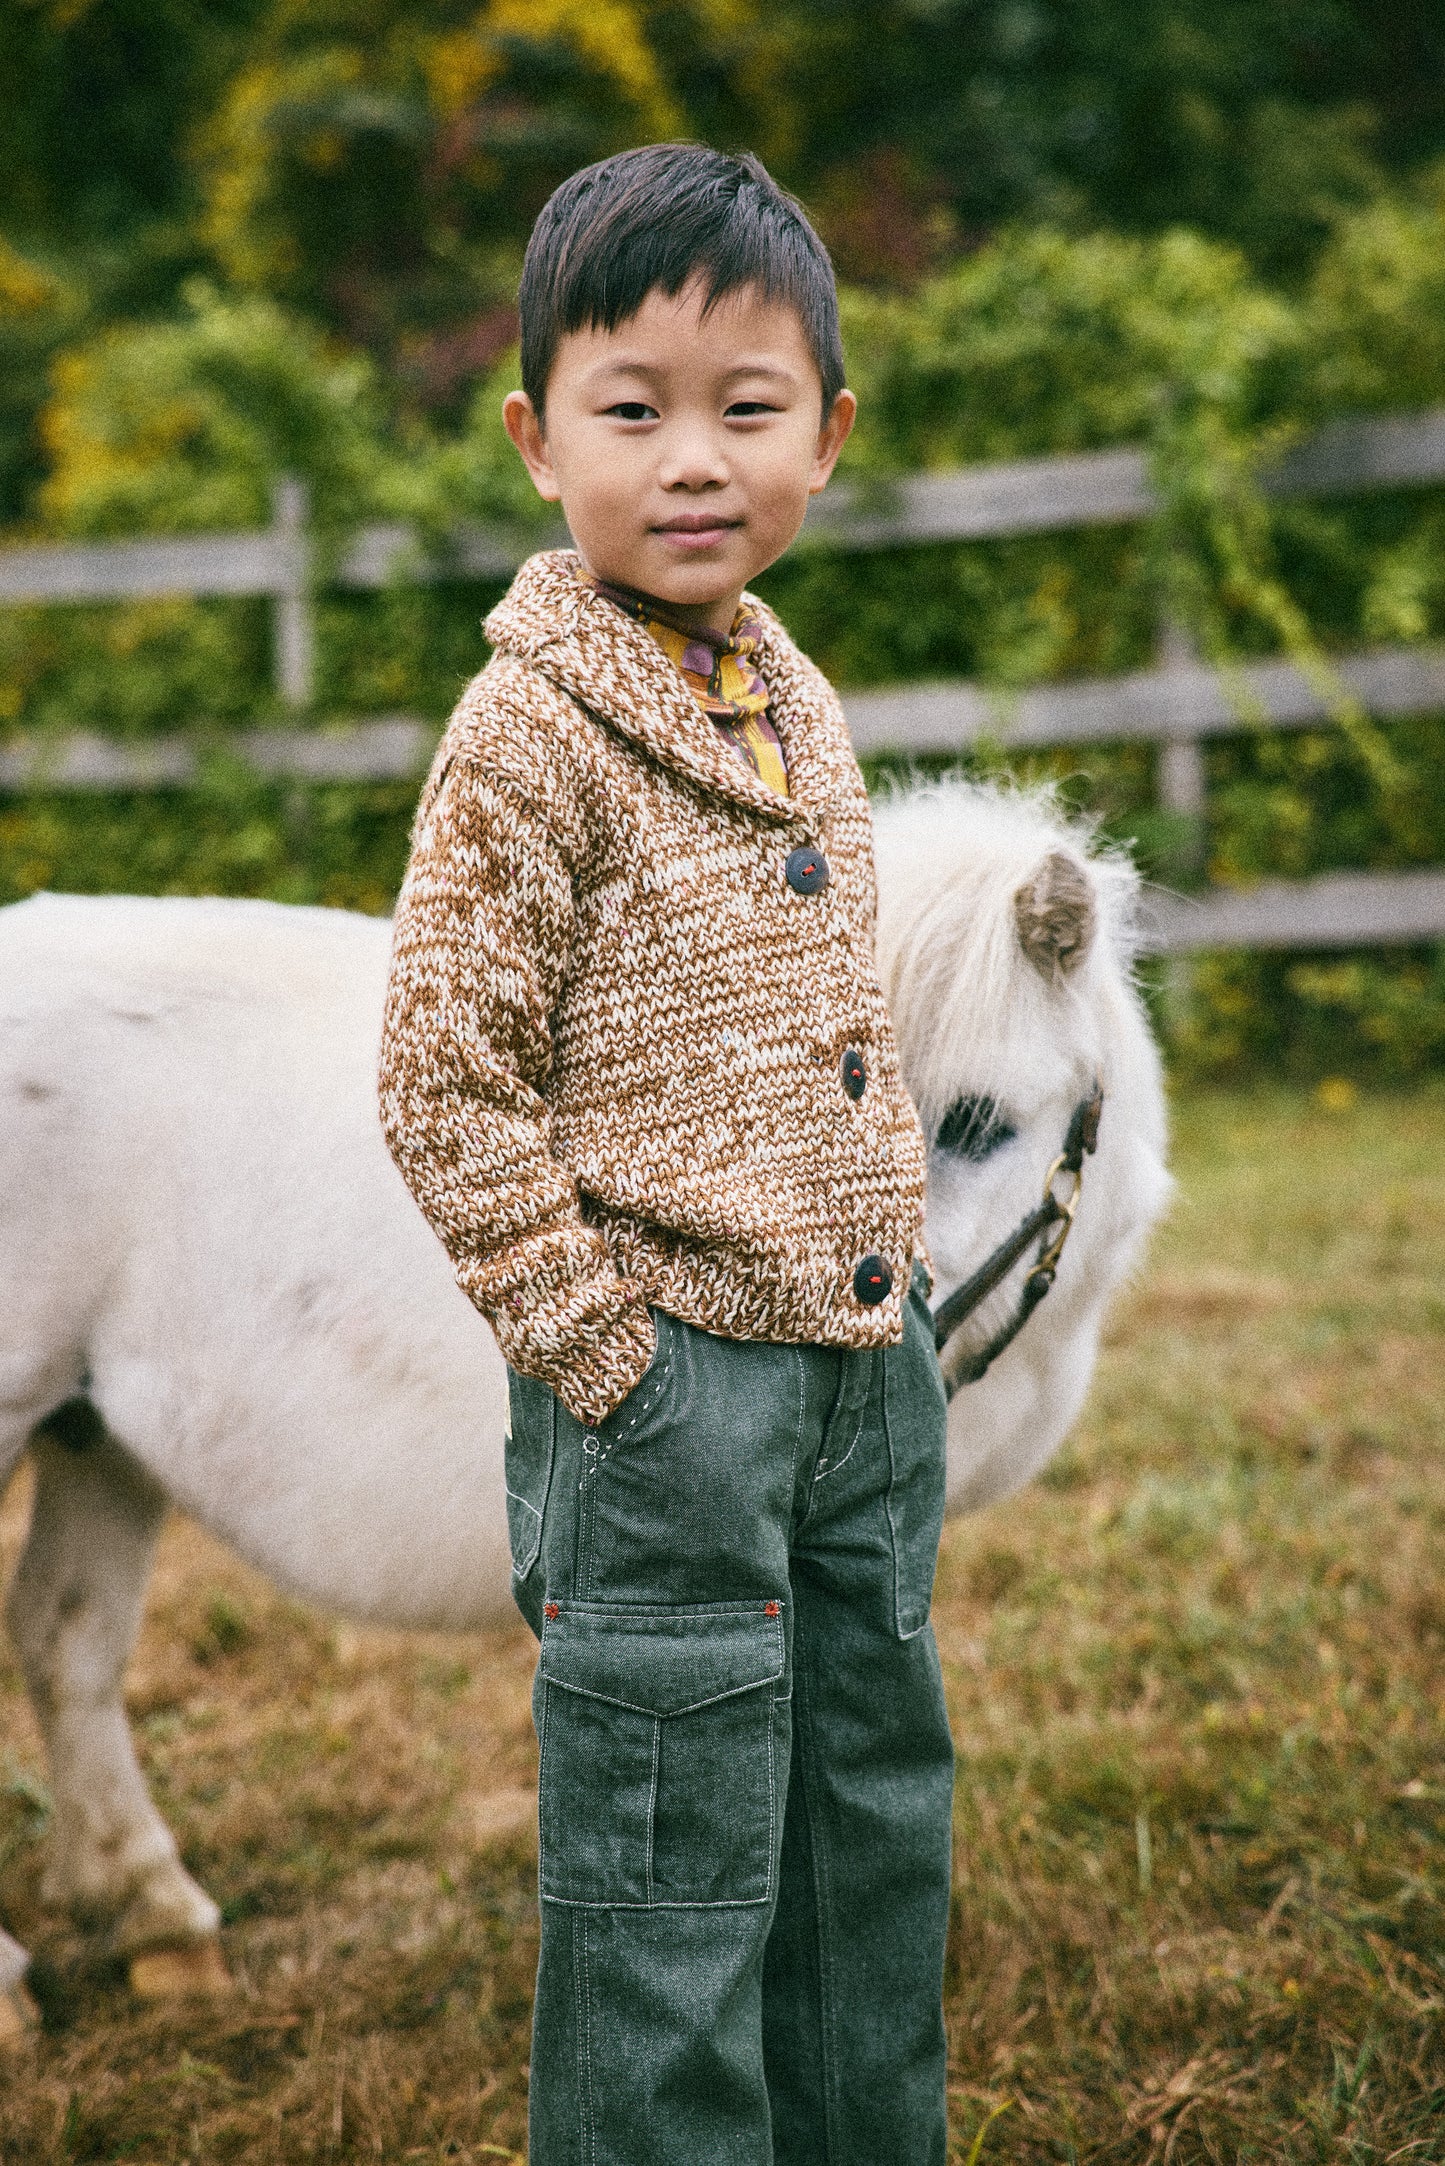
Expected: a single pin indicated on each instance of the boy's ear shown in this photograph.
(834, 434)
(519, 417)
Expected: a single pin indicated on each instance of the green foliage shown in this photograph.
(378, 162)
(1257, 123)
(477, 474)
(184, 425)
(1376, 307)
(1378, 1015)
(135, 667)
(381, 164)
(407, 648)
(38, 315)
(1040, 342)
(344, 846)
(93, 151)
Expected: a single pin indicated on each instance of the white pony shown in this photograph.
(215, 1290)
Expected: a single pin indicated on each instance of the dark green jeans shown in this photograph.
(746, 1771)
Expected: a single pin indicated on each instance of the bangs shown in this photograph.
(655, 219)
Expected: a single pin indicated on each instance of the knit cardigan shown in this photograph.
(610, 1064)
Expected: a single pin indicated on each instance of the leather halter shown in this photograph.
(1053, 1212)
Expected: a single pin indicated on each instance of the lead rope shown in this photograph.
(1054, 1212)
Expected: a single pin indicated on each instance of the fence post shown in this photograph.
(1181, 780)
(295, 634)
(1183, 792)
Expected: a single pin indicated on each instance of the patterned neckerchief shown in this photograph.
(721, 676)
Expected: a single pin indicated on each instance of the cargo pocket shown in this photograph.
(658, 1784)
(530, 1448)
(915, 1413)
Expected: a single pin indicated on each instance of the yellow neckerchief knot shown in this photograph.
(721, 676)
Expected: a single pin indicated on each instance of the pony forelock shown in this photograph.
(966, 998)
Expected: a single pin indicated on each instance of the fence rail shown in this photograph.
(1026, 496)
(1176, 705)
(391, 748)
(1336, 910)
(275, 562)
(1181, 701)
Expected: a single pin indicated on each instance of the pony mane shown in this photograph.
(966, 1000)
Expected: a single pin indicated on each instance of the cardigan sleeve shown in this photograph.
(480, 945)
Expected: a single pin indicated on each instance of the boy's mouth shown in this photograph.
(696, 529)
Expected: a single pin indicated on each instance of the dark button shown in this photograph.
(872, 1281)
(806, 871)
(855, 1075)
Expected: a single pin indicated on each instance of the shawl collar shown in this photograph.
(614, 667)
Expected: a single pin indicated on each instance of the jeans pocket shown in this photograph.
(630, 1418)
(530, 1449)
(658, 1783)
(915, 1411)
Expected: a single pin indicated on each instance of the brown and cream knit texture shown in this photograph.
(611, 1057)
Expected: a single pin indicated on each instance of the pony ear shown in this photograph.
(1056, 916)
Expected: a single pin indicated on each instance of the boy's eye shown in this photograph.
(632, 410)
(745, 409)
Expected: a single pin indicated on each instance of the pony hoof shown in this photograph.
(19, 2017)
(194, 1972)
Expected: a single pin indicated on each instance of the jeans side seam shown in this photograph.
(528, 1547)
(541, 1779)
(773, 1829)
(652, 1802)
(902, 1631)
(587, 2119)
(827, 2035)
(802, 1419)
(586, 1510)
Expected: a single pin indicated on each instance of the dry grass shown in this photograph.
(1199, 1695)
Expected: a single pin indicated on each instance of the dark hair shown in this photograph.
(653, 218)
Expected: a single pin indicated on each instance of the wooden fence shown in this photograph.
(1176, 705)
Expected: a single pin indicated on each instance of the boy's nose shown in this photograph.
(694, 462)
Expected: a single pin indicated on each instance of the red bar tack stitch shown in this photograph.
(770, 1609)
(552, 1609)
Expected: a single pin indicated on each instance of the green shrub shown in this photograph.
(1039, 343)
(182, 426)
(341, 845)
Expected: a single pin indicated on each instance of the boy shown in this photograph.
(638, 1073)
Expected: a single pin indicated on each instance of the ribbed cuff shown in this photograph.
(600, 1379)
(563, 1314)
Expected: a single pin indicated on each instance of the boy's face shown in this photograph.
(683, 447)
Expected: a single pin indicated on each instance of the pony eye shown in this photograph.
(973, 1128)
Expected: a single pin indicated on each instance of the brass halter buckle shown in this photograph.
(1048, 1224)
(1066, 1206)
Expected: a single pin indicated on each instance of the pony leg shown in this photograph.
(18, 2013)
(74, 1609)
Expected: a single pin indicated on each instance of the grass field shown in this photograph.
(1198, 1684)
